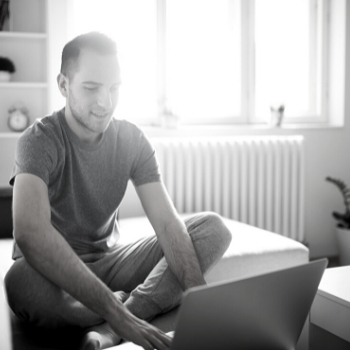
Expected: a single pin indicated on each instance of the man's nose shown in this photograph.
(105, 99)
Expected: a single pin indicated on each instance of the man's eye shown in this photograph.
(90, 88)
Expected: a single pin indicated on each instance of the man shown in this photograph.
(70, 176)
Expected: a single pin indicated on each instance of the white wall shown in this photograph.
(326, 153)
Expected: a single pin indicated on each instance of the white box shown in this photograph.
(331, 307)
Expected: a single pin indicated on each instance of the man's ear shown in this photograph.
(62, 82)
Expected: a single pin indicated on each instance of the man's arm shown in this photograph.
(50, 254)
(172, 234)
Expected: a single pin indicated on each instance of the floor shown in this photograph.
(333, 262)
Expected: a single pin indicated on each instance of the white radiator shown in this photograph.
(255, 180)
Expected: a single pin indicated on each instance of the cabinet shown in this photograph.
(26, 44)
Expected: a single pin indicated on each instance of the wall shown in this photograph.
(326, 153)
(7, 153)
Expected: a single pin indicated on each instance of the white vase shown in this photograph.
(4, 76)
(276, 118)
(343, 238)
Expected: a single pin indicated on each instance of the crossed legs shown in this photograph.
(139, 268)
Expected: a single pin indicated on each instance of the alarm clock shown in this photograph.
(18, 119)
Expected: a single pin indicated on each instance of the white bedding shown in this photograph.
(252, 250)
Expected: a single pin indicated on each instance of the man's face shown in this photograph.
(93, 91)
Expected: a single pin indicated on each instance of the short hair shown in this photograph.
(96, 41)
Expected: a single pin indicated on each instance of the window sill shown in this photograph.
(226, 130)
(219, 130)
(10, 134)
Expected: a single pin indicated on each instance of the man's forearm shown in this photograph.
(53, 257)
(181, 255)
(48, 252)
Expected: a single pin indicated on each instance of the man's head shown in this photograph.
(89, 80)
(94, 41)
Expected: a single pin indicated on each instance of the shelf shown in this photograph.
(10, 134)
(22, 35)
(24, 41)
(23, 85)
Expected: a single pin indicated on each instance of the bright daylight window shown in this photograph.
(288, 60)
(215, 61)
(203, 59)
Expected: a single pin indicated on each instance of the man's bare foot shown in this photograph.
(121, 296)
(99, 337)
(102, 336)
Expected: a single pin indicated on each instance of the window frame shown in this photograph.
(319, 65)
(334, 83)
(320, 16)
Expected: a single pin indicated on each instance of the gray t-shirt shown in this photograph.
(86, 182)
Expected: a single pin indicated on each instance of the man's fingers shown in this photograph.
(151, 342)
(166, 339)
(154, 337)
(160, 340)
(144, 334)
(159, 343)
(156, 332)
(147, 345)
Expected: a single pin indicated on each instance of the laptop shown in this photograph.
(261, 312)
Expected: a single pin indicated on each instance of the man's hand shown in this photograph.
(140, 332)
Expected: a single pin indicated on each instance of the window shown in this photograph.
(203, 60)
(288, 58)
(216, 61)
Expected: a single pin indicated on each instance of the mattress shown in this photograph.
(252, 250)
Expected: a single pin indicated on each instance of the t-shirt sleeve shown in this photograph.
(145, 167)
(35, 155)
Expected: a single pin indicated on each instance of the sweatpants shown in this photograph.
(138, 268)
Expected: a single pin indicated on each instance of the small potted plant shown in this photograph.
(277, 113)
(168, 119)
(6, 69)
(343, 219)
